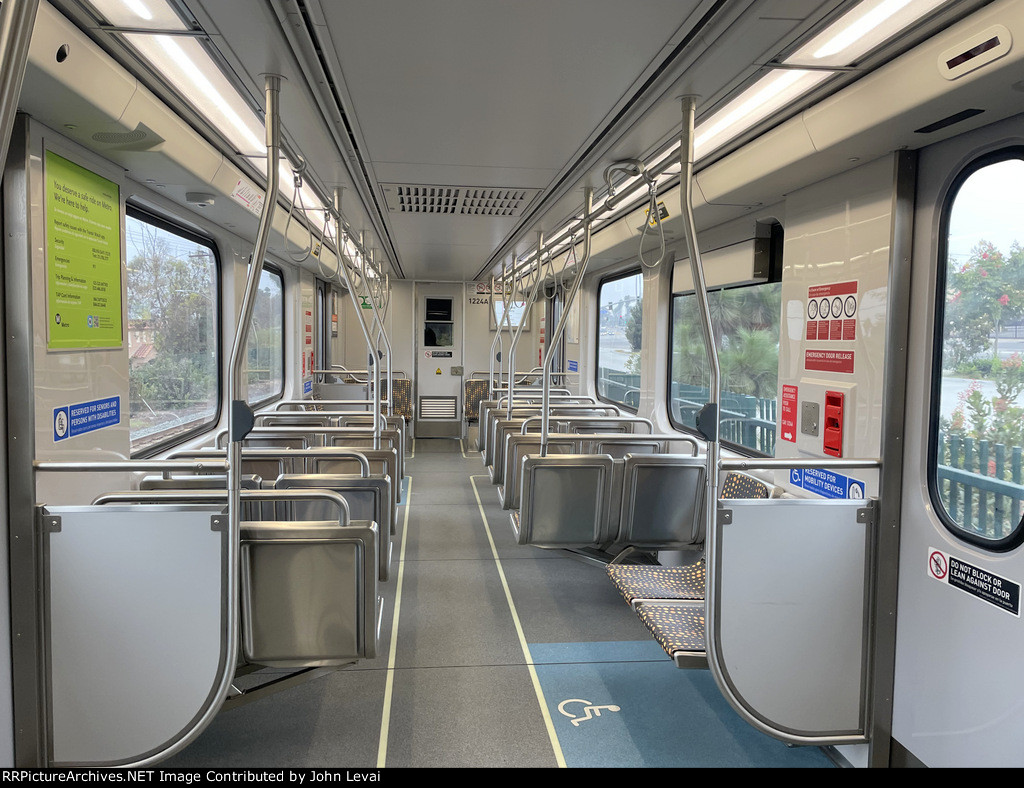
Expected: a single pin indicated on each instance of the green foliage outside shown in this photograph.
(982, 296)
(746, 333)
(634, 335)
(171, 294)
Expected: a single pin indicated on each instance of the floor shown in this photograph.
(493, 655)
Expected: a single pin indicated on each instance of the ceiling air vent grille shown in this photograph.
(457, 200)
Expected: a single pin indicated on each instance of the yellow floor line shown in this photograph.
(462, 446)
(385, 721)
(559, 757)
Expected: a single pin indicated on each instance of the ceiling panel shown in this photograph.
(485, 93)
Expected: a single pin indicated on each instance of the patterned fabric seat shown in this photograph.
(658, 582)
(476, 392)
(669, 599)
(679, 629)
(740, 485)
(402, 388)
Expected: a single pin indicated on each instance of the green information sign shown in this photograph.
(83, 257)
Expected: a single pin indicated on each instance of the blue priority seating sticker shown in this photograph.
(72, 420)
(827, 484)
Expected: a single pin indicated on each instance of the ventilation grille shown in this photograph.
(438, 408)
(457, 200)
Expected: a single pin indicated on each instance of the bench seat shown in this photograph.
(637, 582)
(678, 626)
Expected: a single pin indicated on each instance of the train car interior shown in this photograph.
(535, 384)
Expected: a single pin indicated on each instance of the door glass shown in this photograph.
(977, 477)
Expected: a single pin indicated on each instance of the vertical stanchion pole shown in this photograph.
(522, 323)
(339, 240)
(581, 269)
(17, 18)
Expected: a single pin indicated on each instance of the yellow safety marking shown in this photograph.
(385, 720)
(559, 757)
(462, 448)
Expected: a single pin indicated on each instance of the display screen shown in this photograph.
(439, 309)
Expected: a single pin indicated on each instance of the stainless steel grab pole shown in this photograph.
(519, 329)
(581, 270)
(17, 18)
(339, 241)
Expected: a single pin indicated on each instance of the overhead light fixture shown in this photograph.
(860, 30)
(772, 93)
(192, 72)
(148, 14)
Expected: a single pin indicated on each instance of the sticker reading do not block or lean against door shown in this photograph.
(975, 581)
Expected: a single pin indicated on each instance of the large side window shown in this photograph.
(746, 330)
(265, 349)
(979, 418)
(620, 302)
(173, 330)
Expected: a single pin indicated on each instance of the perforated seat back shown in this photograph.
(662, 501)
(565, 500)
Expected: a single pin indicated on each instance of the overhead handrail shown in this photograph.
(297, 201)
(581, 270)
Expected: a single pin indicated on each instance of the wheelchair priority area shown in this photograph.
(494, 654)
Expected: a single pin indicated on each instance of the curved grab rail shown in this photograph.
(259, 453)
(187, 496)
(639, 419)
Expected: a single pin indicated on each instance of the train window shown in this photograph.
(978, 418)
(620, 303)
(265, 347)
(173, 332)
(746, 323)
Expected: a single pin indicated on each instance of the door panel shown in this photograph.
(959, 693)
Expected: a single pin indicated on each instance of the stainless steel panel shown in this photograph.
(662, 501)
(135, 621)
(308, 593)
(565, 500)
(793, 611)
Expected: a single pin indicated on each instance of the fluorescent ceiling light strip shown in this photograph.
(150, 14)
(862, 29)
(192, 72)
(850, 35)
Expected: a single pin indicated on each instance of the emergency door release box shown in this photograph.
(833, 432)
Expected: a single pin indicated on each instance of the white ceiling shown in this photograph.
(538, 94)
(485, 93)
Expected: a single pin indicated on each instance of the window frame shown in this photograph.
(1016, 537)
(150, 450)
(597, 344)
(777, 239)
(279, 394)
